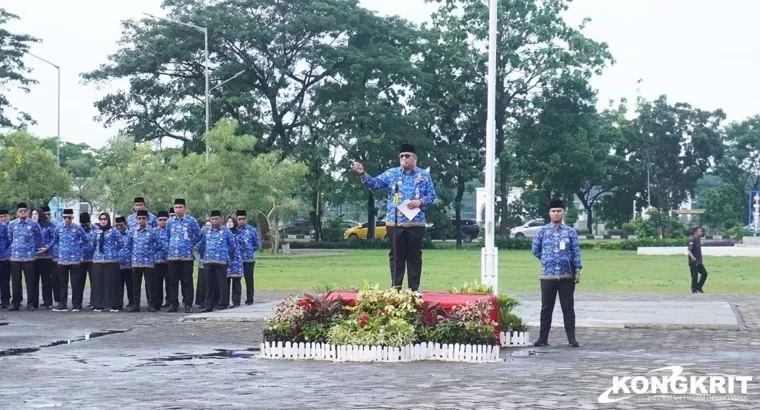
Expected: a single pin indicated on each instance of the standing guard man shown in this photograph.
(413, 188)
(249, 244)
(125, 264)
(219, 246)
(556, 245)
(184, 233)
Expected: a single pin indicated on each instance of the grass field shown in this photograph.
(604, 271)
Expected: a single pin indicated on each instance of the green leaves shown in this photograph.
(13, 71)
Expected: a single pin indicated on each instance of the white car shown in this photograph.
(528, 230)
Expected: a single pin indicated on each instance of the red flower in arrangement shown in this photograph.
(363, 320)
(305, 303)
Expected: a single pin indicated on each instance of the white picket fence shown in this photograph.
(514, 339)
(353, 353)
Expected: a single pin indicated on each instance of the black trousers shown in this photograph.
(161, 273)
(237, 292)
(32, 283)
(698, 271)
(181, 272)
(75, 273)
(127, 286)
(200, 293)
(549, 290)
(406, 252)
(152, 286)
(85, 277)
(248, 275)
(51, 289)
(216, 280)
(5, 282)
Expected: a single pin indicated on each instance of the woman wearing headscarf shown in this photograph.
(44, 264)
(106, 278)
(234, 270)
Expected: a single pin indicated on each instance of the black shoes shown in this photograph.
(573, 343)
(188, 309)
(540, 343)
(13, 309)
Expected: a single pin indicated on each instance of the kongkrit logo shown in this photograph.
(677, 386)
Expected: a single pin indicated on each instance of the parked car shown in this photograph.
(469, 229)
(360, 232)
(528, 230)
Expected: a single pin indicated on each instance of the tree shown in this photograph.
(722, 211)
(78, 160)
(28, 172)
(535, 46)
(739, 167)
(13, 71)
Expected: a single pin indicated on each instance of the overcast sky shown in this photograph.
(697, 51)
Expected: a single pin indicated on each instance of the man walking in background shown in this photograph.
(556, 245)
(696, 266)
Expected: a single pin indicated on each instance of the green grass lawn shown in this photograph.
(604, 271)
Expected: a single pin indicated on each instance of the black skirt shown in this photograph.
(106, 286)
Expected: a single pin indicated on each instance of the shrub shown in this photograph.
(505, 242)
(610, 246)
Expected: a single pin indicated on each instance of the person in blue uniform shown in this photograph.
(68, 241)
(44, 264)
(88, 248)
(184, 233)
(249, 244)
(167, 282)
(107, 287)
(5, 260)
(144, 246)
(24, 235)
(200, 293)
(162, 262)
(125, 264)
(139, 205)
(220, 250)
(234, 269)
(411, 187)
(556, 245)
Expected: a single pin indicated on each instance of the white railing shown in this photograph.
(353, 353)
(514, 339)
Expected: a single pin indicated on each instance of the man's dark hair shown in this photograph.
(696, 228)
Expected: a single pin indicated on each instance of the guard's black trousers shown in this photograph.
(47, 273)
(161, 275)
(248, 275)
(5, 282)
(216, 280)
(127, 286)
(75, 274)
(181, 272)
(32, 283)
(406, 252)
(232, 287)
(152, 286)
(549, 290)
(698, 276)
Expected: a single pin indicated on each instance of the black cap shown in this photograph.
(84, 218)
(142, 212)
(120, 220)
(241, 212)
(171, 211)
(407, 148)
(216, 213)
(22, 205)
(556, 203)
(139, 200)
(68, 211)
(163, 214)
(45, 209)
(179, 201)
(4, 212)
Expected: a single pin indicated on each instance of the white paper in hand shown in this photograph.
(409, 213)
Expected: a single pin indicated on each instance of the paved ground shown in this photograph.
(162, 362)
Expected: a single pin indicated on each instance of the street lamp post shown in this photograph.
(489, 255)
(204, 30)
(58, 126)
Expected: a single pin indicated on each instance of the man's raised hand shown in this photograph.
(357, 167)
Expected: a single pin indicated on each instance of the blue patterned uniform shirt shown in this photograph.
(219, 244)
(412, 185)
(68, 243)
(112, 244)
(132, 221)
(235, 267)
(163, 237)
(144, 245)
(249, 242)
(24, 237)
(88, 247)
(201, 252)
(5, 243)
(125, 253)
(557, 249)
(48, 235)
(183, 235)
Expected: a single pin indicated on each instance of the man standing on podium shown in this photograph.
(410, 191)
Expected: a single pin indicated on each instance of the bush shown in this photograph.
(634, 244)
(587, 245)
(505, 242)
(610, 246)
(354, 244)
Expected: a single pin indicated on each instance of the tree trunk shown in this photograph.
(458, 210)
(589, 211)
(371, 215)
(316, 214)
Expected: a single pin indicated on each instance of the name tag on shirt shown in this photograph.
(187, 236)
(562, 245)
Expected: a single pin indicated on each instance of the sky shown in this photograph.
(693, 51)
